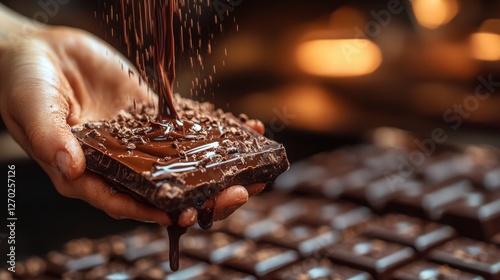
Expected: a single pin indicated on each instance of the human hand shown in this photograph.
(59, 77)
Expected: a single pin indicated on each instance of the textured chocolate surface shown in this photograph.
(172, 165)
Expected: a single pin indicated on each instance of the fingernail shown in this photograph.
(63, 163)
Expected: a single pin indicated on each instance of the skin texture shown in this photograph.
(55, 77)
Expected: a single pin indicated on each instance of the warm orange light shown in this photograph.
(485, 46)
(390, 137)
(434, 13)
(339, 57)
(314, 108)
(299, 105)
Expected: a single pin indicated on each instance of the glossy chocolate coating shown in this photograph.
(173, 166)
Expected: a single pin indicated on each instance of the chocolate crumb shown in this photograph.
(131, 146)
(168, 191)
(93, 134)
(77, 128)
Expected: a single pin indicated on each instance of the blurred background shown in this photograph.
(319, 74)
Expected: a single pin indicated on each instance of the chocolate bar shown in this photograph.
(175, 165)
(377, 257)
(181, 161)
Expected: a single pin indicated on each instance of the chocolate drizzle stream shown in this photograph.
(174, 235)
(206, 214)
(164, 58)
(148, 34)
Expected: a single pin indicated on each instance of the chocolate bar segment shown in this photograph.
(261, 260)
(469, 255)
(476, 215)
(213, 247)
(179, 163)
(426, 271)
(305, 239)
(324, 269)
(377, 257)
(419, 234)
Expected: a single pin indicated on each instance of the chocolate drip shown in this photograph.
(206, 214)
(174, 235)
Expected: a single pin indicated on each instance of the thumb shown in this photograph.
(38, 106)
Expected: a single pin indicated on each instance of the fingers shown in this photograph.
(255, 189)
(188, 217)
(94, 190)
(228, 201)
(256, 125)
(37, 108)
(91, 188)
(233, 198)
(121, 206)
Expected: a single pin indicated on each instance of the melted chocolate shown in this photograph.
(187, 152)
(164, 57)
(174, 235)
(152, 19)
(206, 214)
